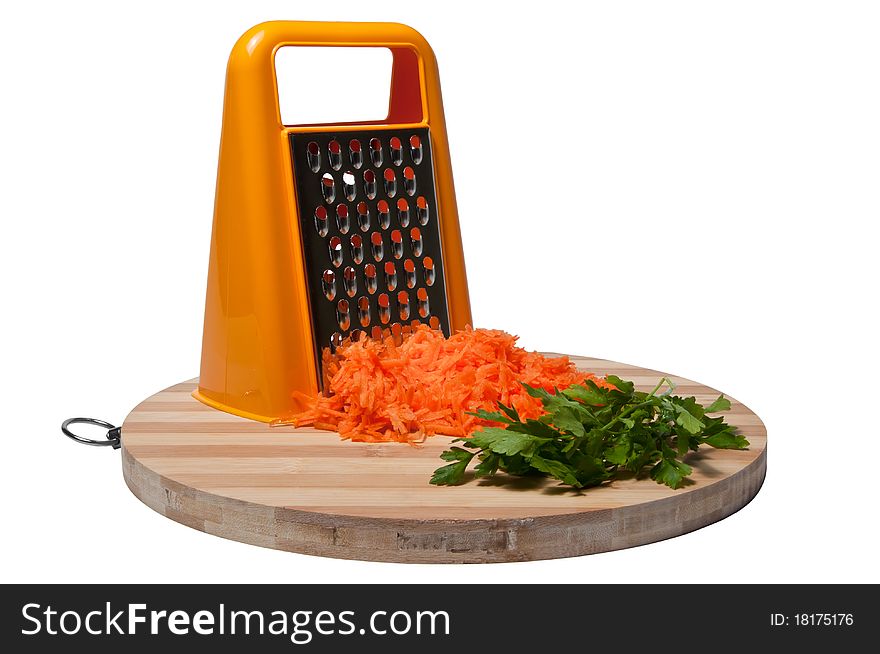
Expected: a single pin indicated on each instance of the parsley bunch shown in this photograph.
(589, 434)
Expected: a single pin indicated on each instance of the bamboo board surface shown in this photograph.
(305, 490)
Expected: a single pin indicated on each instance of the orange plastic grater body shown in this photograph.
(259, 344)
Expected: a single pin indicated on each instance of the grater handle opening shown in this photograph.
(252, 62)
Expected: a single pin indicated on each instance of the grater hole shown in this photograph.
(396, 151)
(415, 323)
(409, 273)
(328, 188)
(422, 301)
(370, 278)
(377, 247)
(348, 187)
(364, 311)
(415, 149)
(384, 214)
(430, 272)
(357, 248)
(422, 210)
(349, 281)
(335, 340)
(390, 182)
(376, 152)
(336, 251)
(376, 332)
(409, 181)
(363, 212)
(384, 308)
(342, 220)
(390, 276)
(313, 156)
(342, 315)
(355, 154)
(321, 221)
(396, 244)
(335, 152)
(403, 212)
(415, 235)
(356, 335)
(403, 304)
(434, 322)
(328, 284)
(370, 184)
(396, 333)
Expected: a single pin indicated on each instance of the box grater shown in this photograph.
(325, 232)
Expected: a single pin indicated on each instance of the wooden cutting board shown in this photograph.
(308, 491)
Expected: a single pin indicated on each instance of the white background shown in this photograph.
(706, 186)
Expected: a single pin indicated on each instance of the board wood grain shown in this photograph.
(308, 491)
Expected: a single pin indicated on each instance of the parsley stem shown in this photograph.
(657, 387)
(640, 404)
(663, 380)
(625, 413)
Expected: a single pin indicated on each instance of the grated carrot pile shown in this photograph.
(377, 390)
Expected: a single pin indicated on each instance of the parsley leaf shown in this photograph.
(671, 472)
(493, 416)
(727, 440)
(721, 404)
(505, 441)
(593, 396)
(454, 472)
(488, 464)
(561, 471)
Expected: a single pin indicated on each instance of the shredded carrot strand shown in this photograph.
(426, 384)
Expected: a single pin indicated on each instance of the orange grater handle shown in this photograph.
(414, 68)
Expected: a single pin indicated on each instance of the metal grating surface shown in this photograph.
(371, 238)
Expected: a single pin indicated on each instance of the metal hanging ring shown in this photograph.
(114, 433)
